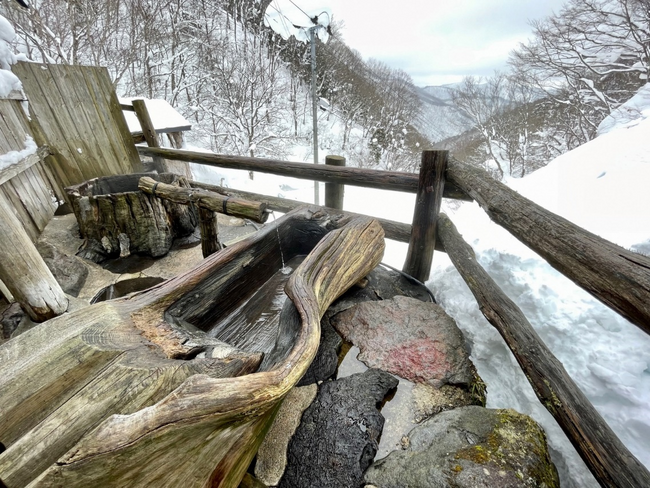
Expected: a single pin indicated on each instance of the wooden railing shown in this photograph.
(617, 277)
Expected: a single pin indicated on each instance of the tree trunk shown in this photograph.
(115, 217)
(617, 277)
(608, 459)
(133, 402)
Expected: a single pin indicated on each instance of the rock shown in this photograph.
(404, 336)
(69, 272)
(10, 319)
(337, 438)
(325, 363)
(469, 447)
(429, 401)
(383, 284)
(272, 454)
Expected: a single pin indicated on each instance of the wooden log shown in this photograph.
(333, 191)
(209, 232)
(606, 456)
(23, 271)
(132, 403)
(427, 206)
(617, 277)
(367, 178)
(397, 231)
(205, 199)
(148, 131)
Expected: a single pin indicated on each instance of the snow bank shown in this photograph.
(8, 81)
(603, 187)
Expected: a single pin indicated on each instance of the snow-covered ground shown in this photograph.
(601, 186)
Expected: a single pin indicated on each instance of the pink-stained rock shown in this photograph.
(415, 340)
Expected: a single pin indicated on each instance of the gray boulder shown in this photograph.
(469, 447)
(69, 271)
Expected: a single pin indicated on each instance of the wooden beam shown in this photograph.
(617, 277)
(148, 131)
(24, 272)
(206, 199)
(209, 232)
(425, 216)
(367, 178)
(606, 456)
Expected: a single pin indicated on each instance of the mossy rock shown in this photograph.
(470, 447)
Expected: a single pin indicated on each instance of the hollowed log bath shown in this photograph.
(142, 390)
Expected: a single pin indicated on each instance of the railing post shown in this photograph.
(209, 232)
(148, 131)
(334, 191)
(425, 217)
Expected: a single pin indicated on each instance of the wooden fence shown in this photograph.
(617, 277)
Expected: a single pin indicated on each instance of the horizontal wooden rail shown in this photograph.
(606, 456)
(396, 231)
(617, 277)
(367, 178)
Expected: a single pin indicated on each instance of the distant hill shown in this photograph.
(440, 118)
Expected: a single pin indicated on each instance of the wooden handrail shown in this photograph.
(617, 277)
(367, 178)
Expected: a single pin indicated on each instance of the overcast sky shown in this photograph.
(435, 41)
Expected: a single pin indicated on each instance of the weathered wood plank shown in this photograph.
(606, 456)
(10, 194)
(48, 120)
(367, 178)
(617, 277)
(148, 131)
(425, 216)
(130, 161)
(209, 232)
(8, 173)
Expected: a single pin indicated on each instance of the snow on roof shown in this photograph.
(165, 118)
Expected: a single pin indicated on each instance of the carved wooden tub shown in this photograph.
(117, 394)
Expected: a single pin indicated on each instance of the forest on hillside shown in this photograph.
(246, 89)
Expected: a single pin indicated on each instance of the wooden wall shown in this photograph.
(28, 185)
(74, 111)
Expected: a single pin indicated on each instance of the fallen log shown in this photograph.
(617, 277)
(215, 202)
(609, 460)
(138, 392)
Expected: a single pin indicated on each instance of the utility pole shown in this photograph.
(312, 39)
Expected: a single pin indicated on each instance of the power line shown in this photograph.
(310, 18)
(294, 25)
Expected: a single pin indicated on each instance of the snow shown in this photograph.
(162, 114)
(8, 81)
(14, 157)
